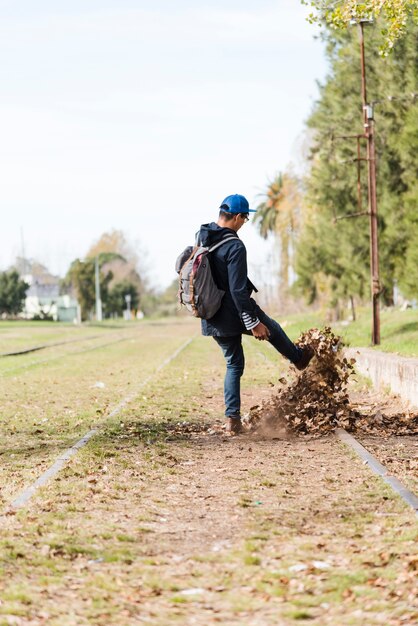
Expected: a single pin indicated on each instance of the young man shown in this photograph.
(239, 314)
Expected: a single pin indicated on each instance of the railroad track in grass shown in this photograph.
(64, 354)
(23, 498)
(62, 342)
(378, 468)
(44, 346)
(373, 463)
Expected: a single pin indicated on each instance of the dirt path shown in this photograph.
(158, 522)
(217, 530)
(258, 531)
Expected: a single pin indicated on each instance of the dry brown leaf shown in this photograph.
(317, 402)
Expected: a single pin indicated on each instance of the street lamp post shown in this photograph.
(128, 305)
(97, 290)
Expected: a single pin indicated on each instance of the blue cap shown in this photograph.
(236, 204)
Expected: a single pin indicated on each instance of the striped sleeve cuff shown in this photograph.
(250, 321)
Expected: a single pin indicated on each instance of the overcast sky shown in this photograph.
(142, 116)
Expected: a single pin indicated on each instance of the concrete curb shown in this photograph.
(399, 373)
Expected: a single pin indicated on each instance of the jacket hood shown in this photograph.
(209, 234)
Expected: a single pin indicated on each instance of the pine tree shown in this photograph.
(333, 249)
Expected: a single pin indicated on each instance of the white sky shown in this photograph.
(142, 116)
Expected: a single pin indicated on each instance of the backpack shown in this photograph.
(198, 291)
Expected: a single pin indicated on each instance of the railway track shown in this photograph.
(375, 465)
(23, 498)
(348, 439)
(216, 516)
(44, 346)
(21, 354)
(49, 403)
(53, 344)
(13, 370)
(378, 468)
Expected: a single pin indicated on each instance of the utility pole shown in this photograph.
(128, 299)
(371, 165)
(97, 290)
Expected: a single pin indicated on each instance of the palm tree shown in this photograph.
(267, 211)
(278, 214)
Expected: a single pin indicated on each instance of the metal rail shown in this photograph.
(53, 344)
(62, 356)
(410, 498)
(60, 462)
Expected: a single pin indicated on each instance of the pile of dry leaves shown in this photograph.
(385, 416)
(317, 401)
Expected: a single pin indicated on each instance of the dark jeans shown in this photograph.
(235, 361)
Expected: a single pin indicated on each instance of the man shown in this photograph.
(239, 314)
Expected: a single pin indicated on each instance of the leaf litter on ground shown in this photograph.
(317, 401)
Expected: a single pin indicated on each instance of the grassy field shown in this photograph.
(19, 335)
(399, 330)
(157, 521)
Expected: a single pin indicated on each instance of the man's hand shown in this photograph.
(260, 332)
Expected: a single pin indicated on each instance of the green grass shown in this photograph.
(48, 406)
(399, 329)
(20, 335)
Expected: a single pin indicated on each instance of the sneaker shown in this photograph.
(234, 425)
(307, 356)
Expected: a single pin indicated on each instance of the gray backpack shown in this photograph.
(198, 291)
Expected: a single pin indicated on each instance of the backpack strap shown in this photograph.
(217, 245)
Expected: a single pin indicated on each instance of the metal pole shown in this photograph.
(128, 306)
(371, 164)
(97, 290)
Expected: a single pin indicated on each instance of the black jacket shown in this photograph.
(229, 270)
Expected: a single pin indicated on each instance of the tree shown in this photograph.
(408, 148)
(12, 292)
(267, 211)
(113, 241)
(279, 214)
(118, 275)
(333, 253)
(116, 302)
(123, 262)
(395, 16)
